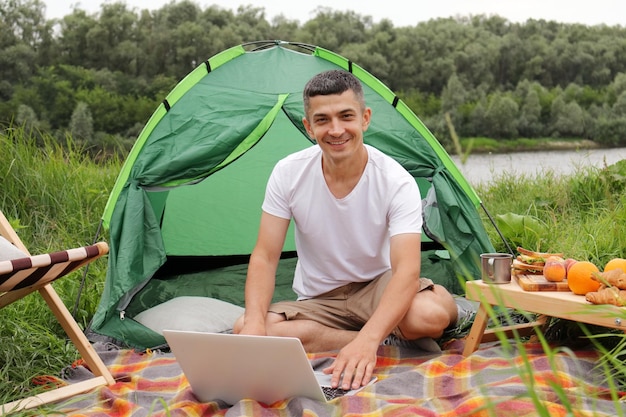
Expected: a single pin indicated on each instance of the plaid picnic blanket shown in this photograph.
(495, 381)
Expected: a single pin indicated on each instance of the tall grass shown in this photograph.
(582, 215)
(54, 195)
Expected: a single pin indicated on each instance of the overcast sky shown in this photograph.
(400, 12)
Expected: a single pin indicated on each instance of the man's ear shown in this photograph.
(367, 118)
(307, 126)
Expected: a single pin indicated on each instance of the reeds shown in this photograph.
(53, 196)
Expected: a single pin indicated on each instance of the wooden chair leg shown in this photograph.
(90, 356)
(48, 397)
(57, 265)
(76, 335)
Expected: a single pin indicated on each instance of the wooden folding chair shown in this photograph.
(19, 277)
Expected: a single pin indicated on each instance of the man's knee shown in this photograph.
(430, 313)
(447, 303)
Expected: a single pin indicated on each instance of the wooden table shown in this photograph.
(564, 305)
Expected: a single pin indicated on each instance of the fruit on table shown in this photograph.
(615, 263)
(580, 278)
(568, 263)
(554, 269)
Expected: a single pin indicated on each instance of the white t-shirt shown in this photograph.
(345, 240)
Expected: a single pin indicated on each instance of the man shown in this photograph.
(358, 221)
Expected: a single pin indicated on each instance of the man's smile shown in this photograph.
(337, 142)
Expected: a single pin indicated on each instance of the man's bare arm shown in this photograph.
(261, 277)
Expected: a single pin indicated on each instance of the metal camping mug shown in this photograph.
(496, 267)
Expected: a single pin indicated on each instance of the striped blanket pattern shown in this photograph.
(494, 381)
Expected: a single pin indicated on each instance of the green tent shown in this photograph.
(184, 211)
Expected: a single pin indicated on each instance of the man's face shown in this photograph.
(337, 123)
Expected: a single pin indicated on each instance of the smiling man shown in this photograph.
(357, 216)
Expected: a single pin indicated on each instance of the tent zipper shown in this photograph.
(128, 297)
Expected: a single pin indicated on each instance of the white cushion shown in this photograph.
(201, 314)
(9, 251)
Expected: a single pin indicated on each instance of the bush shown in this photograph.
(610, 131)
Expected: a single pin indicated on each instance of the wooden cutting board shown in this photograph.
(540, 283)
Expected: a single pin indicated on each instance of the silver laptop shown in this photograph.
(231, 367)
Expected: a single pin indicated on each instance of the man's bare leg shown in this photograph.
(431, 312)
(429, 315)
(315, 337)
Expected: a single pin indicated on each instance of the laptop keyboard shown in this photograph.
(332, 393)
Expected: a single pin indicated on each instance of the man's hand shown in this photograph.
(253, 328)
(356, 362)
(253, 331)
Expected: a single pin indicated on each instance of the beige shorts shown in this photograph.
(347, 307)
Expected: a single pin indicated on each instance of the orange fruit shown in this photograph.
(615, 263)
(579, 278)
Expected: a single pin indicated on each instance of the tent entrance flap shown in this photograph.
(222, 203)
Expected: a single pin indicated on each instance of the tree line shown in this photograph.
(98, 77)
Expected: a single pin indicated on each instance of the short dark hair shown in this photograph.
(332, 82)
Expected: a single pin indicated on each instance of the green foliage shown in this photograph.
(529, 123)
(501, 117)
(458, 147)
(521, 230)
(612, 360)
(122, 62)
(423, 104)
(610, 131)
(81, 124)
(454, 95)
(44, 185)
(567, 119)
(53, 196)
(583, 214)
(618, 85)
(26, 117)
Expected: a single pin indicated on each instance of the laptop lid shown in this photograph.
(232, 367)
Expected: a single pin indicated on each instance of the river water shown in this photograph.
(484, 168)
